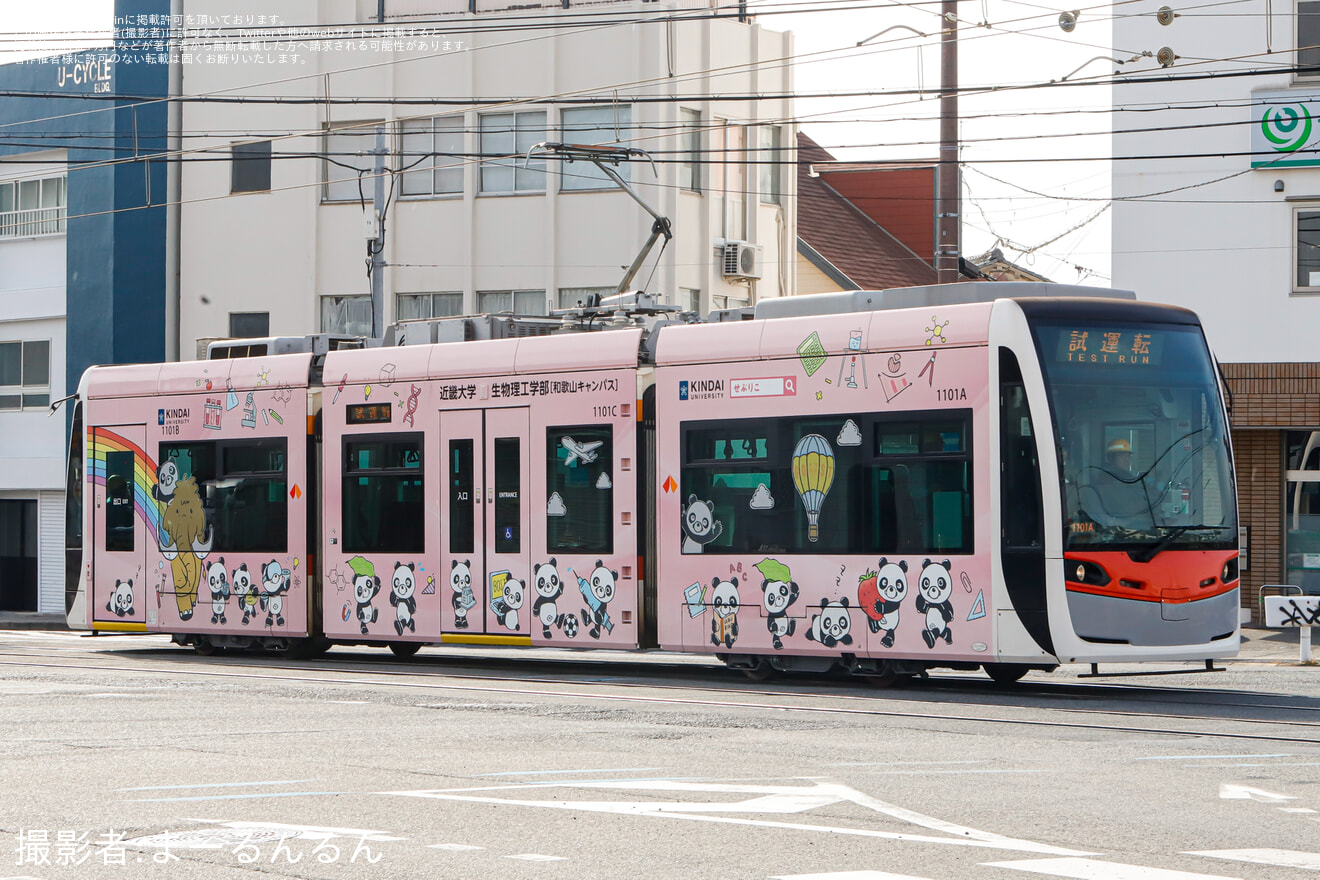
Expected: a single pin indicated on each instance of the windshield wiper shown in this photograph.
(1159, 546)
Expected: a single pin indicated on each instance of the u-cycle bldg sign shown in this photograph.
(1285, 129)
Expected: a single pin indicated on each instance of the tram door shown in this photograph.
(484, 521)
(119, 534)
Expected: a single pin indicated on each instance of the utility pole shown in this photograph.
(376, 242)
(948, 223)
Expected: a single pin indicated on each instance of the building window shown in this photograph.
(1302, 511)
(432, 158)
(519, 302)
(577, 297)
(411, 306)
(735, 182)
(249, 325)
(767, 160)
(346, 314)
(689, 169)
(505, 140)
(689, 299)
(346, 154)
(249, 167)
(1308, 38)
(1307, 250)
(594, 126)
(33, 207)
(24, 374)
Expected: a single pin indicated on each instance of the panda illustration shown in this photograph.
(274, 584)
(831, 626)
(548, 586)
(460, 582)
(401, 597)
(365, 588)
(881, 596)
(934, 590)
(724, 608)
(121, 600)
(699, 525)
(167, 478)
(218, 580)
(597, 593)
(507, 605)
(246, 592)
(777, 596)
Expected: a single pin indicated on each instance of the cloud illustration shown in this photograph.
(604, 481)
(849, 435)
(555, 507)
(762, 499)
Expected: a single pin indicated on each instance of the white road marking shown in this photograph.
(455, 847)
(347, 702)
(1242, 792)
(1284, 858)
(847, 875)
(217, 785)
(773, 799)
(1090, 869)
(566, 772)
(1205, 757)
(1296, 810)
(533, 857)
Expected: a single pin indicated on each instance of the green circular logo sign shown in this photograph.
(1287, 127)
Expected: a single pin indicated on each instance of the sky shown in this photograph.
(1036, 173)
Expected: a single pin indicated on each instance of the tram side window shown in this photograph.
(242, 486)
(813, 485)
(383, 506)
(118, 501)
(579, 489)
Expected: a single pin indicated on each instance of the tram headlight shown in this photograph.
(1230, 572)
(1085, 572)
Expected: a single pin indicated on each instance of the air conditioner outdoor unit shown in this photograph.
(742, 260)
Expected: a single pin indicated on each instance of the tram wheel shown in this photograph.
(762, 670)
(405, 649)
(1006, 673)
(205, 647)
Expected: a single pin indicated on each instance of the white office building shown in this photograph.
(272, 224)
(1217, 208)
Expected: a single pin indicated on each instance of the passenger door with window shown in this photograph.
(121, 508)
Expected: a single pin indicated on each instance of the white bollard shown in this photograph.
(1306, 644)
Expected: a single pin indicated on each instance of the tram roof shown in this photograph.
(199, 377)
(602, 350)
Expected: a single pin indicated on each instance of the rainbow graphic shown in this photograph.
(101, 441)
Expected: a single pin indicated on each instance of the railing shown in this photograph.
(33, 221)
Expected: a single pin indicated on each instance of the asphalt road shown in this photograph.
(126, 757)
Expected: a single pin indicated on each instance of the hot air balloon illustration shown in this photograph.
(813, 474)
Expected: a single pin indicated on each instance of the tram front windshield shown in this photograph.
(1141, 436)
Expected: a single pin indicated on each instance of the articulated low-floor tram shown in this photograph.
(1008, 476)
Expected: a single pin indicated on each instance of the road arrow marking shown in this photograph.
(1242, 792)
(759, 799)
(1285, 858)
(1090, 869)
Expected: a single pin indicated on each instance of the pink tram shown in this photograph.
(1008, 476)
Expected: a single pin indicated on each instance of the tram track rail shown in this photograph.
(753, 698)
